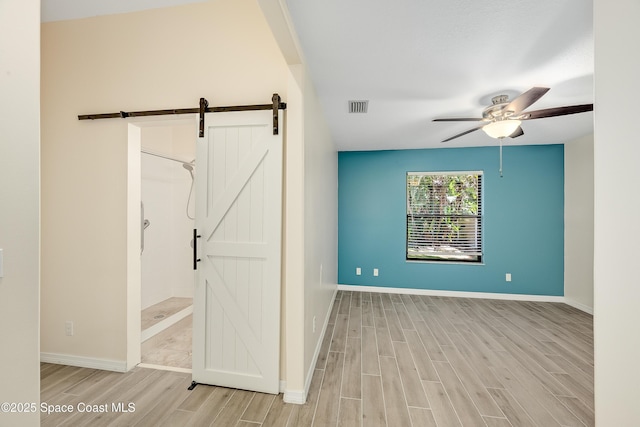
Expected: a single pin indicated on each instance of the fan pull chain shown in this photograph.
(500, 157)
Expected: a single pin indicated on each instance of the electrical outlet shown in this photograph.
(314, 324)
(375, 272)
(507, 277)
(358, 271)
(68, 328)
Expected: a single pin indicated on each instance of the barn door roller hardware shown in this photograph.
(203, 109)
(276, 104)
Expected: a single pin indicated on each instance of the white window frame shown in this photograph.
(423, 248)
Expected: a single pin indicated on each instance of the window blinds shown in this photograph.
(444, 216)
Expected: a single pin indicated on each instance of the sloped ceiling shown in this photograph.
(416, 60)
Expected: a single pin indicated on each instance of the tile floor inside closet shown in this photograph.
(172, 346)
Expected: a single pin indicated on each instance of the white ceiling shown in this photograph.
(59, 10)
(416, 60)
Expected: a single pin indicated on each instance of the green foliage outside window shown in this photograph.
(444, 216)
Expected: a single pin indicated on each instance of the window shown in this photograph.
(444, 216)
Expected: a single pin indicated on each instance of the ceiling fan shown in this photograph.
(503, 118)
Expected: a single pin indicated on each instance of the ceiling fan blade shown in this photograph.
(462, 134)
(518, 132)
(557, 111)
(459, 119)
(526, 99)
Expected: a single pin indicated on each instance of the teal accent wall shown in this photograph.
(523, 220)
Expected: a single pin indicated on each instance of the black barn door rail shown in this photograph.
(276, 104)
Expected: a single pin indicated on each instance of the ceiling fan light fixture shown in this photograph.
(501, 128)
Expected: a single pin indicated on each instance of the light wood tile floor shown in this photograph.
(386, 360)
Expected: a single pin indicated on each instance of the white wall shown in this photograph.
(617, 229)
(166, 261)
(20, 206)
(293, 295)
(320, 224)
(578, 223)
(311, 210)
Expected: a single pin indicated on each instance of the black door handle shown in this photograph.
(196, 260)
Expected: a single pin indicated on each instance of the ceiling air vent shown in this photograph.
(358, 106)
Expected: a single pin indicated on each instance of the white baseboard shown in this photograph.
(459, 294)
(579, 306)
(84, 362)
(316, 353)
(300, 396)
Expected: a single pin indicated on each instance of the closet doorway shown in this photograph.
(167, 169)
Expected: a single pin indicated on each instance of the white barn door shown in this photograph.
(236, 317)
